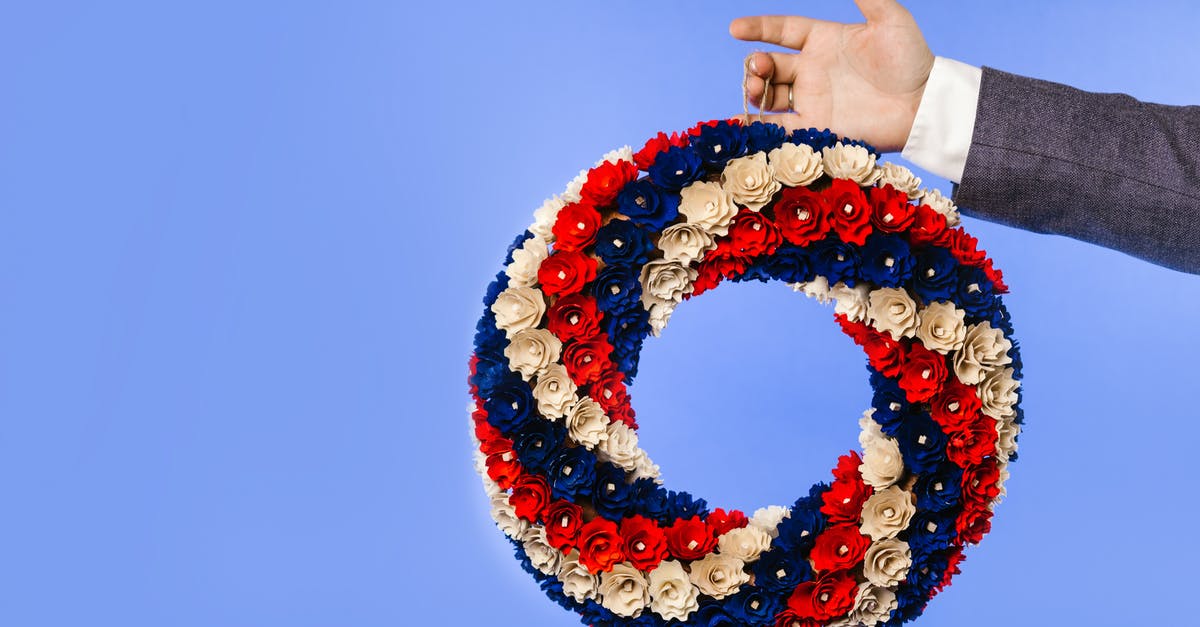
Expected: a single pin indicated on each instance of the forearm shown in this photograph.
(1103, 168)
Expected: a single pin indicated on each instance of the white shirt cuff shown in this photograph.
(941, 132)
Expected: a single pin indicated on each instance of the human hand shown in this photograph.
(863, 81)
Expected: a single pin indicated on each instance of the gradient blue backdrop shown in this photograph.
(243, 247)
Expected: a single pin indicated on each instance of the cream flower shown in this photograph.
(577, 582)
(943, 327)
(685, 242)
(887, 513)
(624, 153)
(750, 180)
(522, 272)
(818, 289)
(849, 162)
(586, 423)
(545, 217)
(901, 178)
(572, 192)
(984, 350)
(852, 301)
(1006, 443)
(672, 595)
(532, 351)
(660, 314)
(893, 311)
(554, 392)
(998, 391)
(645, 468)
(619, 446)
(795, 165)
(872, 604)
(623, 591)
(886, 562)
(519, 308)
(768, 519)
(708, 206)
(871, 430)
(544, 557)
(666, 281)
(882, 463)
(745, 543)
(506, 517)
(942, 205)
(718, 575)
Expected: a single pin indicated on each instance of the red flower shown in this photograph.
(956, 557)
(923, 373)
(529, 497)
(491, 440)
(576, 226)
(588, 360)
(753, 234)
(995, 276)
(929, 227)
(721, 521)
(645, 157)
(605, 181)
(890, 209)
(789, 618)
(802, 215)
(973, 523)
(690, 538)
(884, 353)
(969, 442)
(843, 501)
(721, 263)
(644, 541)
(957, 404)
(612, 395)
(574, 317)
(503, 468)
(600, 545)
(965, 248)
(566, 272)
(847, 467)
(838, 547)
(980, 483)
(563, 522)
(829, 596)
(849, 211)
(695, 130)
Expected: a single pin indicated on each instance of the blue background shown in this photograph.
(243, 247)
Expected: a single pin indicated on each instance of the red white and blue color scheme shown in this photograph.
(605, 264)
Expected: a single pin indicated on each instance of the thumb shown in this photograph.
(882, 10)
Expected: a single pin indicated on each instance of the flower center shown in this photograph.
(842, 550)
(566, 522)
(803, 214)
(640, 201)
(848, 209)
(932, 526)
(889, 262)
(780, 574)
(573, 319)
(561, 275)
(640, 546)
(930, 272)
(581, 226)
(567, 470)
(692, 545)
(972, 288)
(953, 406)
(887, 219)
(824, 597)
(889, 512)
(618, 243)
(925, 373)
(923, 439)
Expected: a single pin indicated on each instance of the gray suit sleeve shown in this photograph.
(1102, 168)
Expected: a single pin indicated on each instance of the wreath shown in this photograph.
(605, 264)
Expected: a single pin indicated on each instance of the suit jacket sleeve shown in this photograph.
(1102, 168)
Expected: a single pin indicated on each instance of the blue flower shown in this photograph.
(941, 489)
(626, 331)
(617, 288)
(975, 292)
(779, 571)
(922, 442)
(676, 168)
(813, 137)
(926, 571)
(753, 606)
(650, 500)
(494, 288)
(622, 243)
(836, 260)
(719, 143)
(510, 405)
(910, 603)
(537, 442)
(684, 505)
(488, 338)
(887, 260)
(611, 496)
(798, 531)
(647, 204)
(757, 271)
(712, 614)
(858, 142)
(764, 136)
(790, 264)
(934, 277)
(572, 473)
(889, 401)
(931, 531)
(598, 616)
(508, 255)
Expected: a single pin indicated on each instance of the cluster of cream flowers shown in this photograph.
(978, 354)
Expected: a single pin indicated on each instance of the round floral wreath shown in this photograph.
(605, 264)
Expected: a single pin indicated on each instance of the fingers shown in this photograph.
(780, 68)
(776, 99)
(790, 31)
(790, 121)
(882, 10)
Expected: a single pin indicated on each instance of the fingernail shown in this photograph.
(753, 65)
